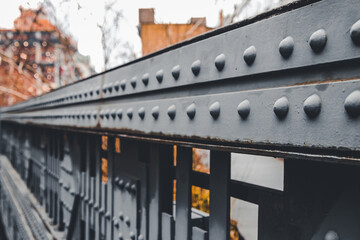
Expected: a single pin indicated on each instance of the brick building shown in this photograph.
(156, 36)
(37, 57)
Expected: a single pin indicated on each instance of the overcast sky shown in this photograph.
(84, 15)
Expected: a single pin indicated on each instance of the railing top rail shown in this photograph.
(282, 80)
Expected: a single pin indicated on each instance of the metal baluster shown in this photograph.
(160, 187)
(219, 223)
(109, 197)
(183, 193)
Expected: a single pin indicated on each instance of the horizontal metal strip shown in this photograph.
(303, 37)
(314, 116)
(241, 190)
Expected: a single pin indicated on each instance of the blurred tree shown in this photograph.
(115, 50)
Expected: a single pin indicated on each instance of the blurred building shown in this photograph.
(36, 57)
(155, 36)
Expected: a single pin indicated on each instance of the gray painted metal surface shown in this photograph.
(284, 85)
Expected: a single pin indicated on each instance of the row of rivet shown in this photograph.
(311, 106)
(317, 42)
(128, 186)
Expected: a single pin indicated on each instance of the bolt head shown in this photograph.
(249, 55)
(155, 112)
(141, 113)
(331, 235)
(175, 71)
(159, 75)
(286, 47)
(220, 62)
(352, 104)
(215, 110)
(312, 106)
(195, 67)
(355, 33)
(318, 40)
(243, 109)
(281, 107)
(191, 111)
(172, 111)
(145, 79)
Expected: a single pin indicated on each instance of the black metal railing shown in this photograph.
(97, 156)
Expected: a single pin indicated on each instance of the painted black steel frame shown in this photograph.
(285, 84)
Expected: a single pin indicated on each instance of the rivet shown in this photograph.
(89, 114)
(105, 88)
(113, 113)
(145, 79)
(85, 94)
(132, 235)
(318, 40)
(116, 223)
(249, 55)
(116, 179)
(72, 192)
(110, 87)
(83, 114)
(220, 62)
(155, 112)
(140, 237)
(133, 188)
(120, 236)
(355, 32)
(128, 186)
(123, 84)
(175, 71)
(195, 67)
(116, 85)
(127, 220)
(102, 210)
(352, 104)
(129, 113)
(312, 106)
(121, 183)
(243, 109)
(121, 216)
(98, 91)
(119, 113)
(141, 112)
(215, 110)
(91, 92)
(107, 114)
(286, 47)
(133, 82)
(159, 75)
(191, 110)
(172, 111)
(80, 95)
(331, 235)
(94, 114)
(281, 107)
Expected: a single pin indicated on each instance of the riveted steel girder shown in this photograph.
(249, 85)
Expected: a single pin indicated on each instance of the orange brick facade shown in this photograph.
(158, 36)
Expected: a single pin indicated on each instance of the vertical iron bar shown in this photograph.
(160, 186)
(183, 193)
(219, 223)
(109, 210)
